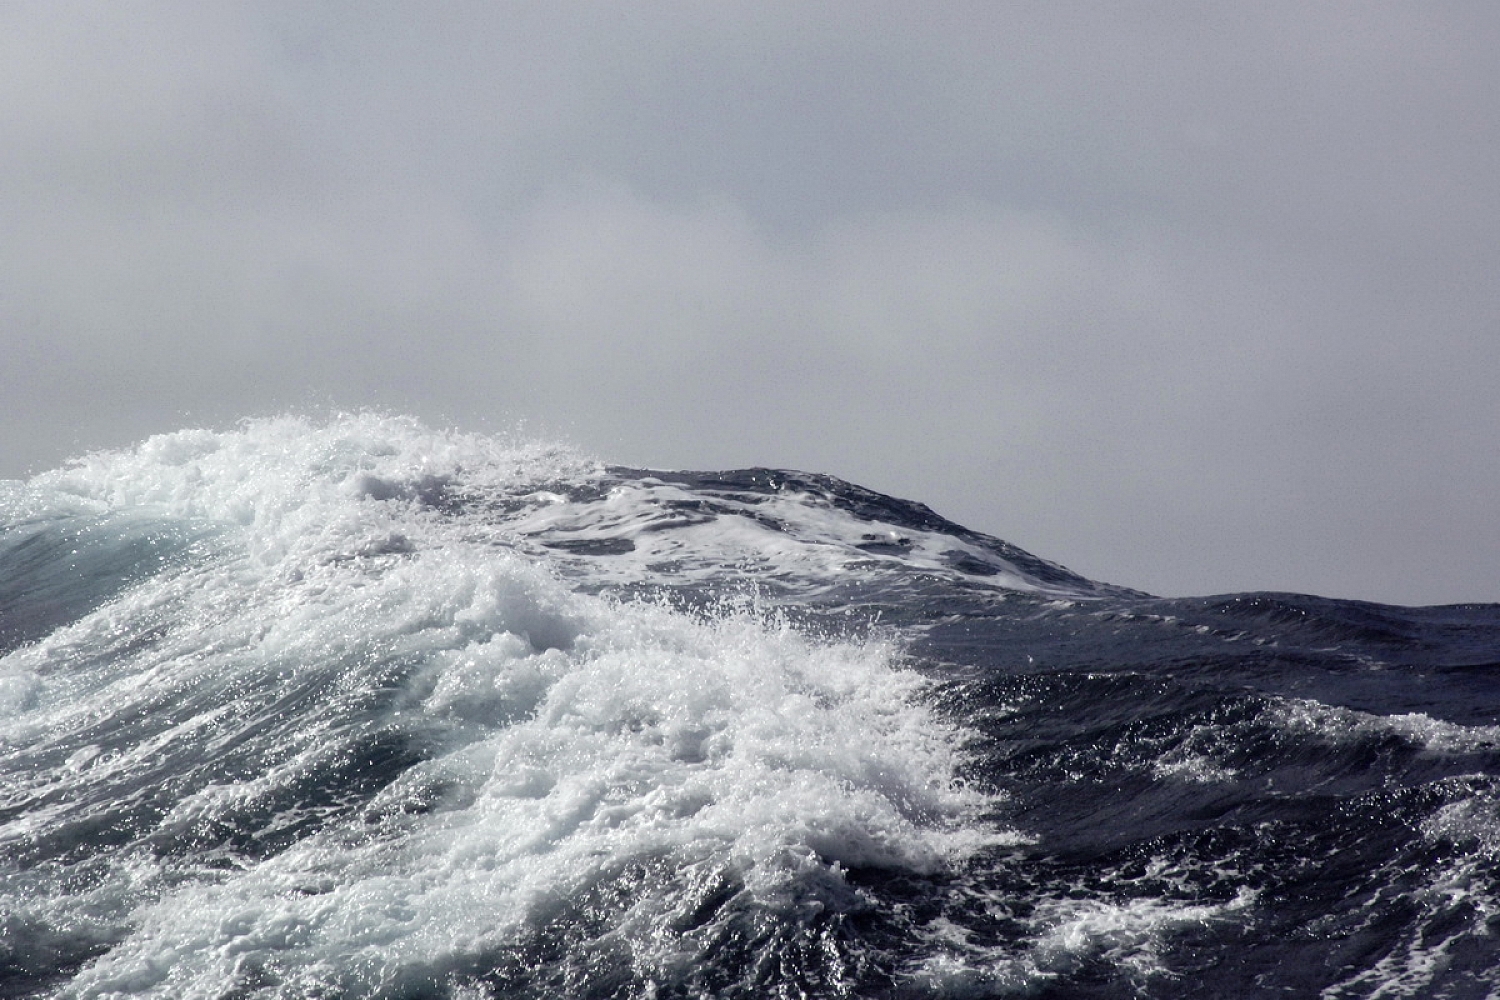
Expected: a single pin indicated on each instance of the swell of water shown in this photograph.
(356, 708)
(329, 736)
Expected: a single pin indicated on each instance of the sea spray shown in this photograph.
(365, 745)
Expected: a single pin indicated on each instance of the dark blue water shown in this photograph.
(1330, 764)
(361, 709)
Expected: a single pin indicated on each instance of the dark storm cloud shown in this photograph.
(1191, 297)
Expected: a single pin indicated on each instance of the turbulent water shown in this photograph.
(355, 708)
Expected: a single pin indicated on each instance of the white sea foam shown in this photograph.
(1183, 764)
(1127, 934)
(1340, 724)
(1452, 892)
(1451, 889)
(791, 536)
(706, 766)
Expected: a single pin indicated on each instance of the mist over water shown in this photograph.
(358, 708)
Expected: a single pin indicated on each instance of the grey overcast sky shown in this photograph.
(1192, 297)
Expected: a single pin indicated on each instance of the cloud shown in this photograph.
(1192, 298)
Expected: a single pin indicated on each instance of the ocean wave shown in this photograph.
(356, 707)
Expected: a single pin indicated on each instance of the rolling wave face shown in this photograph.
(356, 708)
(341, 730)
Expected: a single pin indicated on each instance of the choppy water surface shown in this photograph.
(355, 708)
